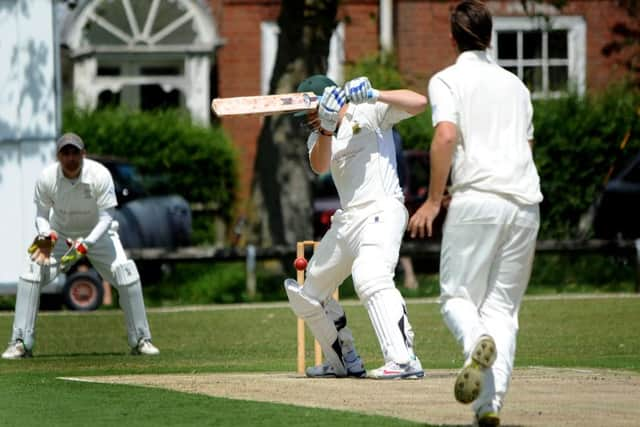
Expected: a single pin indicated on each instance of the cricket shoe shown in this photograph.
(392, 370)
(487, 417)
(470, 379)
(326, 370)
(354, 368)
(145, 348)
(16, 350)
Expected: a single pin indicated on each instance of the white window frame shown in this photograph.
(269, 44)
(138, 44)
(576, 28)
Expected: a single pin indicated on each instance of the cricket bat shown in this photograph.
(265, 105)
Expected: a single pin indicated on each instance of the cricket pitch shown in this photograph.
(537, 397)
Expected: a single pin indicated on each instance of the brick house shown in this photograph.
(227, 48)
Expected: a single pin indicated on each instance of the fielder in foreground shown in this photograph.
(483, 134)
(74, 200)
(354, 140)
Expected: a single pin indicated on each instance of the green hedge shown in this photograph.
(577, 141)
(181, 157)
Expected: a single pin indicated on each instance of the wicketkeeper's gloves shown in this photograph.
(77, 249)
(40, 249)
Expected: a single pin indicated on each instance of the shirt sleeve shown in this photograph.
(42, 196)
(388, 115)
(106, 193)
(443, 104)
(105, 218)
(530, 118)
(311, 141)
(42, 220)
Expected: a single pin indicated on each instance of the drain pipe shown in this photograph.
(386, 25)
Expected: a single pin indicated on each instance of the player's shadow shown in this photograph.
(91, 354)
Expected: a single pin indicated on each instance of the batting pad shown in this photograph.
(323, 328)
(126, 273)
(336, 314)
(386, 311)
(27, 303)
(132, 303)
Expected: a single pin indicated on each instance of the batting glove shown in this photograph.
(333, 99)
(77, 250)
(40, 249)
(359, 90)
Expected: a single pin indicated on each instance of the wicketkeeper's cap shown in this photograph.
(70, 138)
(315, 84)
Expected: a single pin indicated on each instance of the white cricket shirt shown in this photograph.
(75, 205)
(363, 156)
(492, 110)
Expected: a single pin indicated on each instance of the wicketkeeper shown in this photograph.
(75, 198)
(354, 140)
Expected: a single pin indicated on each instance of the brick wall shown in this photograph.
(239, 72)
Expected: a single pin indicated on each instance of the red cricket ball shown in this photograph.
(300, 264)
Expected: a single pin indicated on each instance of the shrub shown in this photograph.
(196, 162)
(577, 141)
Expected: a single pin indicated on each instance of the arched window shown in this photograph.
(142, 53)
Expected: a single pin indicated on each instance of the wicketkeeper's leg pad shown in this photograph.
(323, 328)
(26, 312)
(125, 273)
(132, 301)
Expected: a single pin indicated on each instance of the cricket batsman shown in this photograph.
(354, 140)
(75, 198)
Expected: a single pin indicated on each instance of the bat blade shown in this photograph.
(265, 105)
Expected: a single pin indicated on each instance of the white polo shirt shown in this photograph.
(75, 204)
(363, 156)
(492, 110)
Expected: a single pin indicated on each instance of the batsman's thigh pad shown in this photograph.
(132, 303)
(312, 312)
(125, 273)
(386, 310)
(26, 311)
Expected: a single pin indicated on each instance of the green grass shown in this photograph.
(586, 333)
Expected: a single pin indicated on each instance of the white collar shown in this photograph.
(475, 55)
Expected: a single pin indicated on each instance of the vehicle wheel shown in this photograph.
(83, 291)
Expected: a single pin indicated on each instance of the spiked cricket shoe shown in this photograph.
(487, 416)
(392, 370)
(470, 380)
(326, 370)
(16, 350)
(145, 348)
(354, 364)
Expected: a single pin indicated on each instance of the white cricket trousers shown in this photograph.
(486, 258)
(364, 243)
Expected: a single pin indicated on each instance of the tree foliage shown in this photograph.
(626, 39)
(281, 191)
